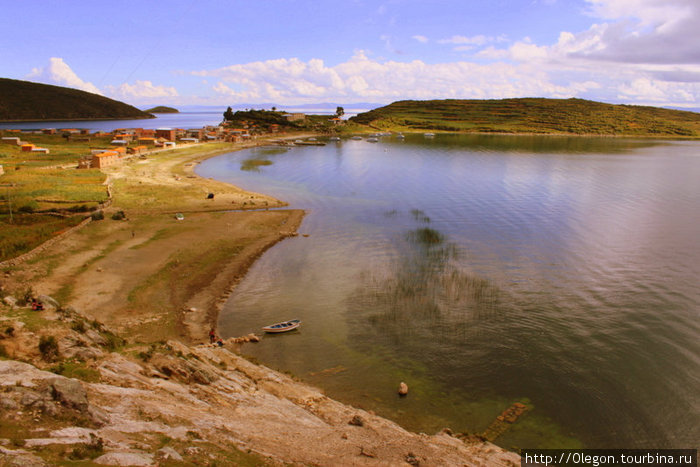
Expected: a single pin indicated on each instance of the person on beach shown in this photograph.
(212, 336)
(37, 305)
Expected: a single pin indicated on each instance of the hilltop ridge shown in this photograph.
(24, 100)
(532, 115)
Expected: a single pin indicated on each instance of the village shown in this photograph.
(127, 142)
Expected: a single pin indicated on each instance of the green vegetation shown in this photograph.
(161, 109)
(262, 121)
(530, 115)
(42, 195)
(24, 100)
(76, 369)
(48, 347)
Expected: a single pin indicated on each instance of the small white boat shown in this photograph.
(372, 140)
(179, 216)
(334, 138)
(429, 135)
(357, 138)
(283, 326)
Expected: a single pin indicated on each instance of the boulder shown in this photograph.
(403, 389)
(356, 421)
(10, 300)
(125, 458)
(48, 302)
(167, 453)
(69, 392)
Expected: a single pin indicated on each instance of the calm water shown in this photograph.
(486, 270)
(178, 120)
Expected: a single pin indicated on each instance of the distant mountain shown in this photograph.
(24, 100)
(161, 109)
(532, 115)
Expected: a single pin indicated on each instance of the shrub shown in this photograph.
(89, 450)
(27, 296)
(113, 342)
(97, 215)
(48, 347)
(119, 215)
(78, 326)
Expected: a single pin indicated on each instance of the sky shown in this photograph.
(293, 52)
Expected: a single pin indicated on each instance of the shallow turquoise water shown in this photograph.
(485, 270)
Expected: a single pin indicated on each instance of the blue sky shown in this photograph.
(185, 52)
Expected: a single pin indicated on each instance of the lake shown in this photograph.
(184, 120)
(559, 272)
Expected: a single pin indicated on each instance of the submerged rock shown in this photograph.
(403, 389)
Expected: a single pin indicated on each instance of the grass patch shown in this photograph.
(26, 232)
(76, 369)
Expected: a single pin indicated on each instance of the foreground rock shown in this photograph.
(237, 405)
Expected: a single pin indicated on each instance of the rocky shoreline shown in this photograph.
(196, 405)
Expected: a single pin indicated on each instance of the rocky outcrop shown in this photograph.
(205, 393)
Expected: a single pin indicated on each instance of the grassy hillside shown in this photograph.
(532, 115)
(23, 100)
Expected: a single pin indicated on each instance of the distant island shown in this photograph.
(531, 115)
(161, 109)
(27, 101)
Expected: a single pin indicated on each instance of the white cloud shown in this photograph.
(645, 31)
(140, 90)
(292, 81)
(58, 73)
(637, 51)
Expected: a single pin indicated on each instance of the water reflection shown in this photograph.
(562, 271)
(424, 296)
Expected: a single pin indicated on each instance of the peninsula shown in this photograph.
(531, 115)
(27, 101)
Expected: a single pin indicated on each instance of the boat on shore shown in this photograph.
(283, 326)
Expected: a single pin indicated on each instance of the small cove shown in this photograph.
(486, 270)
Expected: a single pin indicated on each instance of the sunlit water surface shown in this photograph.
(487, 270)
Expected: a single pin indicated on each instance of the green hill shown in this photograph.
(24, 100)
(532, 115)
(161, 109)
